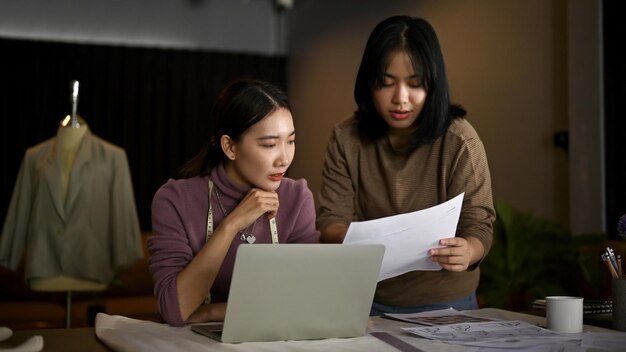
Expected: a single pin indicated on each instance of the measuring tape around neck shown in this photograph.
(209, 230)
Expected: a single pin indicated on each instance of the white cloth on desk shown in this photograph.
(33, 344)
(130, 335)
(123, 334)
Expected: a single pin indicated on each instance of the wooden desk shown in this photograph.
(61, 340)
(85, 339)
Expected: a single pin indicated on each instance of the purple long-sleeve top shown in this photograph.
(179, 225)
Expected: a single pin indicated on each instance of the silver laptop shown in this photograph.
(298, 292)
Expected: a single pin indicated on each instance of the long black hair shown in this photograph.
(239, 105)
(418, 39)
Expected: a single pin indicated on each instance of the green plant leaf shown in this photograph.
(531, 258)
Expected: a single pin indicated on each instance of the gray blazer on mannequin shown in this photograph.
(91, 234)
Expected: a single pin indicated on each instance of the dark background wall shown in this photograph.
(155, 66)
(154, 103)
(524, 70)
(614, 98)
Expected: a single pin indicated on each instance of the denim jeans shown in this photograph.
(465, 303)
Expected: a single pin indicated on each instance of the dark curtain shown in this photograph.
(615, 121)
(153, 102)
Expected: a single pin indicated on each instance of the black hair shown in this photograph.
(241, 104)
(418, 39)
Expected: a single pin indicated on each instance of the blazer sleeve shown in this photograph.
(126, 234)
(13, 239)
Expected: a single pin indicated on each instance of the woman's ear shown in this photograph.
(228, 147)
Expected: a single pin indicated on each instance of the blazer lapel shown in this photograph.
(80, 170)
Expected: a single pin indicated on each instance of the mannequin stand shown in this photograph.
(68, 309)
(68, 285)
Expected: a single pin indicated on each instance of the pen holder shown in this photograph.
(618, 288)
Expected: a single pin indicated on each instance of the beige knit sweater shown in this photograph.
(365, 181)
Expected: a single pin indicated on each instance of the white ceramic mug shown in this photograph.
(564, 313)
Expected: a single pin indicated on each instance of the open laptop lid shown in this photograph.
(301, 291)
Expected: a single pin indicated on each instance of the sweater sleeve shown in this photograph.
(337, 191)
(471, 175)
(304, 230)
(170, 252)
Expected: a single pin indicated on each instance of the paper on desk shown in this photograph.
(437, 317)
(501, 335)
(408, 237)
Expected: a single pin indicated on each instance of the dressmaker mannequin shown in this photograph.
(69, 137)
(68, 142)
(72, 218)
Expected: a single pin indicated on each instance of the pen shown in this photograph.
(611, 257)
(619, 266)
(608, 264)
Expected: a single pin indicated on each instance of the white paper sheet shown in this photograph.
(408, 237)
(507, 335)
